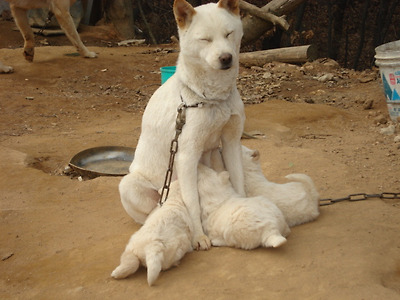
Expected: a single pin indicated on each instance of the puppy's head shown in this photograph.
(251, 160)
(210, 34)
(250, 155)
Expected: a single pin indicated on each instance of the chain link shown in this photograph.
(180, 122)
(359, 197)
(46, 23)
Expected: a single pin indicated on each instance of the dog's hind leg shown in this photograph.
(61, 11)
(21, 19)
(129, 265)
(138, 196)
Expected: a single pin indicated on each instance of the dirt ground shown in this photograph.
(61, 238)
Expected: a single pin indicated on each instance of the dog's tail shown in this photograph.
(154, 261)
(307, 182)
(129, 265)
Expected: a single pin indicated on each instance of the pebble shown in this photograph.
(325, 77)
(368, 104)
(381, 119)
(390, 130)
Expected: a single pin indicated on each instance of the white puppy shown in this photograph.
(298, 200)
(161, 242)
(60, 8)
(231, 220)
(204, 84)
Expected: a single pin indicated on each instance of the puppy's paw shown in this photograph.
(201, 242)
(275, 241)
(6, 69)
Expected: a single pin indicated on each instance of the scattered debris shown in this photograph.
(7, 256)
(390, 130)
(325, 77)
(381, 119)
(321, 82)
(255, 134)
(132, 42)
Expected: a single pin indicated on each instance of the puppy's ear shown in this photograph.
(230, 5)
(183, 12)
(255, 155)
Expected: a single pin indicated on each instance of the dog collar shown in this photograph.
(191, 99)
(198, 104)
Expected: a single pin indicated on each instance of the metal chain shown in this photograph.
(46, 23)
(180, 122)
(359, 197)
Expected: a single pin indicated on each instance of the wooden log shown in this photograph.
(254, 27)
(299, 54)
(266, 16)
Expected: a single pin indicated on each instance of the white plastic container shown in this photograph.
(388, 60)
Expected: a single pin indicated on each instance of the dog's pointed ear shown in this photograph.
(183, 12)
(230, 5)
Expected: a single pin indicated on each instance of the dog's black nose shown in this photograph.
(226, 60)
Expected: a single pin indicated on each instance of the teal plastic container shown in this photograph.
(167, 72)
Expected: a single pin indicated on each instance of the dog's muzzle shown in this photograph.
(226, 61)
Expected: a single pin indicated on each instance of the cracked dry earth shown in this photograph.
(61, 238)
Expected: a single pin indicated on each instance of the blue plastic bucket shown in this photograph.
(167, 72)
(388, 59)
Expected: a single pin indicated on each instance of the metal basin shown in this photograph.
(103, 161)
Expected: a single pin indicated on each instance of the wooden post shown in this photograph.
(300, 54)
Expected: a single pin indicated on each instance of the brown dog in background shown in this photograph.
(60, 8)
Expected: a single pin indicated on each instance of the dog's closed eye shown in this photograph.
(228, 34)
(206, 39)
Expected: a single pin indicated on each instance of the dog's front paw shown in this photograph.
(6, 69)
(90, 54)
(201, 242)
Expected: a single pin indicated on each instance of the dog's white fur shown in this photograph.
(60, 8)
(206, 72)
(232, 220)
(5, 69)
(161, 242)
(298, 200)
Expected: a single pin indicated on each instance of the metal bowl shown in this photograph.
(103, 161)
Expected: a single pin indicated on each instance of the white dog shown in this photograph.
(205, 83)
(60, 8)
(232, 220)
(298, 200)
(161, 242)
